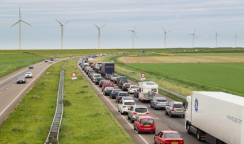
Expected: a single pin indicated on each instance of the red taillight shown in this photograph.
(140, 124)
(167, 142)
(124, 106)
(115, 80)
(119, 97)
(153, 124)
(156, 102)
(113, 93)
(181, 142)
(130, 88)
(137, 92)
(147, 113)
(167, 102)
(172, 109)
(134, 113)
(106, 90)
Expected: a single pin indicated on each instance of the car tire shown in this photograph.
(198, 135)
(131, 120)
(151, 105)
(188, 129)
(128, 117)
(154, 107)
(166, 113)
(134, 127)
(153, 132)
(170, 115)
(183, 116)
(121, 113)
(138, 132)
(118, 109)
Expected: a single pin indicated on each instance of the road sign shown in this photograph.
(55, 55)
(73, 74)
(143, 75)
(143, 79)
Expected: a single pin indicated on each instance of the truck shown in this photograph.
(148, 90)
(107, 68)
(97, 67)
(51, 58)
(215, 117)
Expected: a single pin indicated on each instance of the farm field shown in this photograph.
(227, 76)
(11, 62)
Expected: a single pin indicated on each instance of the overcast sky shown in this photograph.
(181, 17)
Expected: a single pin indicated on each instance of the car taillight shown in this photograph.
(167, 142)
(113, 93)
(156, 102)
(181, 142)
(137, 92)
(124, 106)
(153, 124)
(106, 90)
(172, 109)
(140, 124)
(147, 113)
(134, 113)
(119, 97)
(130, 88)
(167, 102)
(115, 80)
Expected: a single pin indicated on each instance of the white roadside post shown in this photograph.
(73, 76)
(143, 75)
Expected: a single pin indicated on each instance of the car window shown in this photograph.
(127, 85)
(127, 98)
(97, 76)
(161, 100)
(171, 135)
(28, 73)
(141, 110)
(133, 86)
(146, 121)
(178, 105)
(129, 103)
(116, 90)
(108, 83)
(109, 88)
(123, 94)
(115, 75)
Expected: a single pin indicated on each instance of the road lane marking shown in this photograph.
(116, 110)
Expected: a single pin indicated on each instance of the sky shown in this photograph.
(180, 17)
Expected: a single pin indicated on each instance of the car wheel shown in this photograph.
(121, 113)
(166, 112)
(183, 116)
(199, 135)
(154, 107)
(151, 105)
(134, 127)
(153, 132)
(128, 117)
(138, 132)
(118, 109)
(188, 129)
(170, 115)
(131, 120)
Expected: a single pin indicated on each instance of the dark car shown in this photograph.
(136, 93)
(114, 93)
(46, 60)
(107, 77)
(90, 72)
(21, 79)
(101, 83)
(107, 90)
(121, 81)
(121, 94)
(115, 80)
(97, 80)
(125, 86)
(31, 67)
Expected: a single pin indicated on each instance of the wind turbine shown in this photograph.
(99, 34)
(193, 34)
(216, 38)
(62, 33)
(235, 39)
(165, 36)
(133, 34)
(19, 21)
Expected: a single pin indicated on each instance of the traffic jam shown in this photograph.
(124, 94)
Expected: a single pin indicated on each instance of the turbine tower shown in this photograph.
(99, 34)
(133, 34)
(62, 33)
(193, 34)
(19, 21)
(216, 38)
(165, 36)
(235, 39)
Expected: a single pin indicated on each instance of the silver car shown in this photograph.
(124, 105)
(175, 108)
(113, 77)
(28, 75)
(135, 111)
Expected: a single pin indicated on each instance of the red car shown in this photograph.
(107, 84)
(144, 124)
(168, 137)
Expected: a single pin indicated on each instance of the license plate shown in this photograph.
(140, 115)
(129, 107)
(162, 105)
(127, 88)
(28, 76)
(174, 142)
(146, 125)
(179, 110)
(149, 99)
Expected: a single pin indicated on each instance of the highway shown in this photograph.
(162, 121)
(12, 93)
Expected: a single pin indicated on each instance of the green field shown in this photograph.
(86, 119)
(227, 76)
(11, 62)
(30, 121)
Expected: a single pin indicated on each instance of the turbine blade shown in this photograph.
(168, 31)
(195, 36)
(19, 13)
(59, 22)
(25, 22)
(131, 30)
(135, 34)
(102, 26)
(194, 30)
(135, 27)
(164, 29)
(15, 24)
(66, 23)
(96, 26)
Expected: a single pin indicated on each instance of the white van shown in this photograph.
(147, 90)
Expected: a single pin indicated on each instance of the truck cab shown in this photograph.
(147, 90)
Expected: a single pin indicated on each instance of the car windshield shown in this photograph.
(116, 90)
(109, 83)
(123, 78)
(129, 103)
(28, 73)
(172, 135)
(128, 98)
(141, 110)
(133, 86)
(178, 105)
(109, 88)
(115, 76)
(146, 121)
(161, 100)
(123, 94)
(21, 78)
(97, 76)
(127, 85)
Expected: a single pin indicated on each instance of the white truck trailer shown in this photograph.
(215, 117)
(147, 90)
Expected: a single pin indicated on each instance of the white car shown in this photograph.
(50, 62)
(124, 105)
(94, 76)
(55, 59)
(28, 75)
(132, 89)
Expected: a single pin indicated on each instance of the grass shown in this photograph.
(11, 62)
(86, 119)
(30, 121)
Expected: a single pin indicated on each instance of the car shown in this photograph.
(159, 103)
(101, 83)
(107, 76)
(136, 93)
(55, 59)
(125, 86)
(132, 89)
(28, 75)
(175, 108)
(115, 80)
(114, 93)
(136, 111)
(50, 62)
(107, 84)
(107, 90)
(144, 124)
(124, 105)
(121, 81)
(87, 71)
(31, 67)
(121, 94)
(46, 60)
(127, 98)
(168, 136)
(97, 80)
(21, 79)
(95, 76)
(90, 72)
(113, 77)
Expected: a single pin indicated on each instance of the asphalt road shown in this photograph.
(12, 93)
(162, 121)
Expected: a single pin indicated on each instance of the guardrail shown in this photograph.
(54, 130)
(163, 89)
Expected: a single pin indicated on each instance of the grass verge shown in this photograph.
(86, 119)
(30, 121)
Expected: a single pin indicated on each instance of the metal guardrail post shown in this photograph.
(54, 130)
